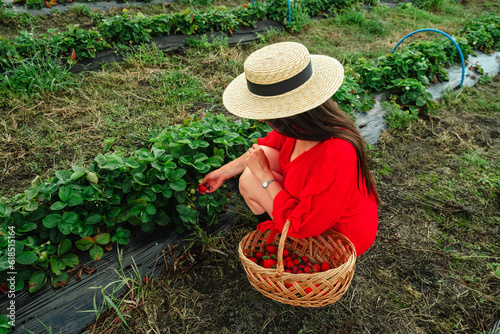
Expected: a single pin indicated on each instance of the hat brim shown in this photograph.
(326, 79)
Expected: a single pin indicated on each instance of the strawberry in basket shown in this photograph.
(292, 262)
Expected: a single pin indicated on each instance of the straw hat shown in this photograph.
(282, 80)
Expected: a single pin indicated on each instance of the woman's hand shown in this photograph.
(213, 181)
(256, 160)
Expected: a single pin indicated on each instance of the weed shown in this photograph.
(396, 117)
(179, 86)
(28, 20)
(485, 79)
(299, 17)
(495, 267)
(431, 5)
(194, 3)
(81, 9)
(377, 27)
(146, 55)
(42, 73)
(270, 36)
(6, 15)
(203, 43)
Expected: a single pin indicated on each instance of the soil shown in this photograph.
(427, 271)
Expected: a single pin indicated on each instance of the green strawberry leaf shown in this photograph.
(64, 247)
(60, 280)
(102, 238)
(93, 218)
(96, 252)
(178, 185)
(26, 257)
(56, 264)
(65, 194)
(75, 200)
(70, 217)
(65, 227)
(85, 243)
(69, 260)
(37, 281)
(58, 206)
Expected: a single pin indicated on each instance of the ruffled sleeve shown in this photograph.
(325, 196)
(273, 139)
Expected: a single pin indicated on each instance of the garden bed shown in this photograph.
(147, 257)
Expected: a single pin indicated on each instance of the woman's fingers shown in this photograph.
(211, 182)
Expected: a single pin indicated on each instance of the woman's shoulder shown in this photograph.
(273, 139)
(337, 147)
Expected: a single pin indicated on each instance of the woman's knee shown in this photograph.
(246, 182)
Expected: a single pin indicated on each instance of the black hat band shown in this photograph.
(281, 87)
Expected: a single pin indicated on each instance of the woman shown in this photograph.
(311, 169)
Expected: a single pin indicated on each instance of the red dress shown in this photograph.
(320, 191)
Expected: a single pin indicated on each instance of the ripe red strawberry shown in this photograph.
(325, 266)
(253, 259)
(300, 271)
(307, 269)
(317, 267)
(288, 271)
(295, 270)
(308, 290)
(304, 259)
(289, 265)
(301, 266)
(296, 262)
(287, 259)
(286, 252)
(203, 188)
(259, 255)
(288, 285)
(271, 248)
(268, 263)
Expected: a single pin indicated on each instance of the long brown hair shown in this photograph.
(324, 122)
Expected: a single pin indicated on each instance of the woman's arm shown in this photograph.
(215, 179)
(258, 163)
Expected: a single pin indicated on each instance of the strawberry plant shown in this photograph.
(250, 14)
(85, 43)
(35, 4)
(483, 33)
(90, 208)
(221, 20)
(453, 56)
(398, 118)
(317, 7)
(127, 29)
(161, 24)
(412, 92)
(351, 96)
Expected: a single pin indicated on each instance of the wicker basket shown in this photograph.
(326, 287)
